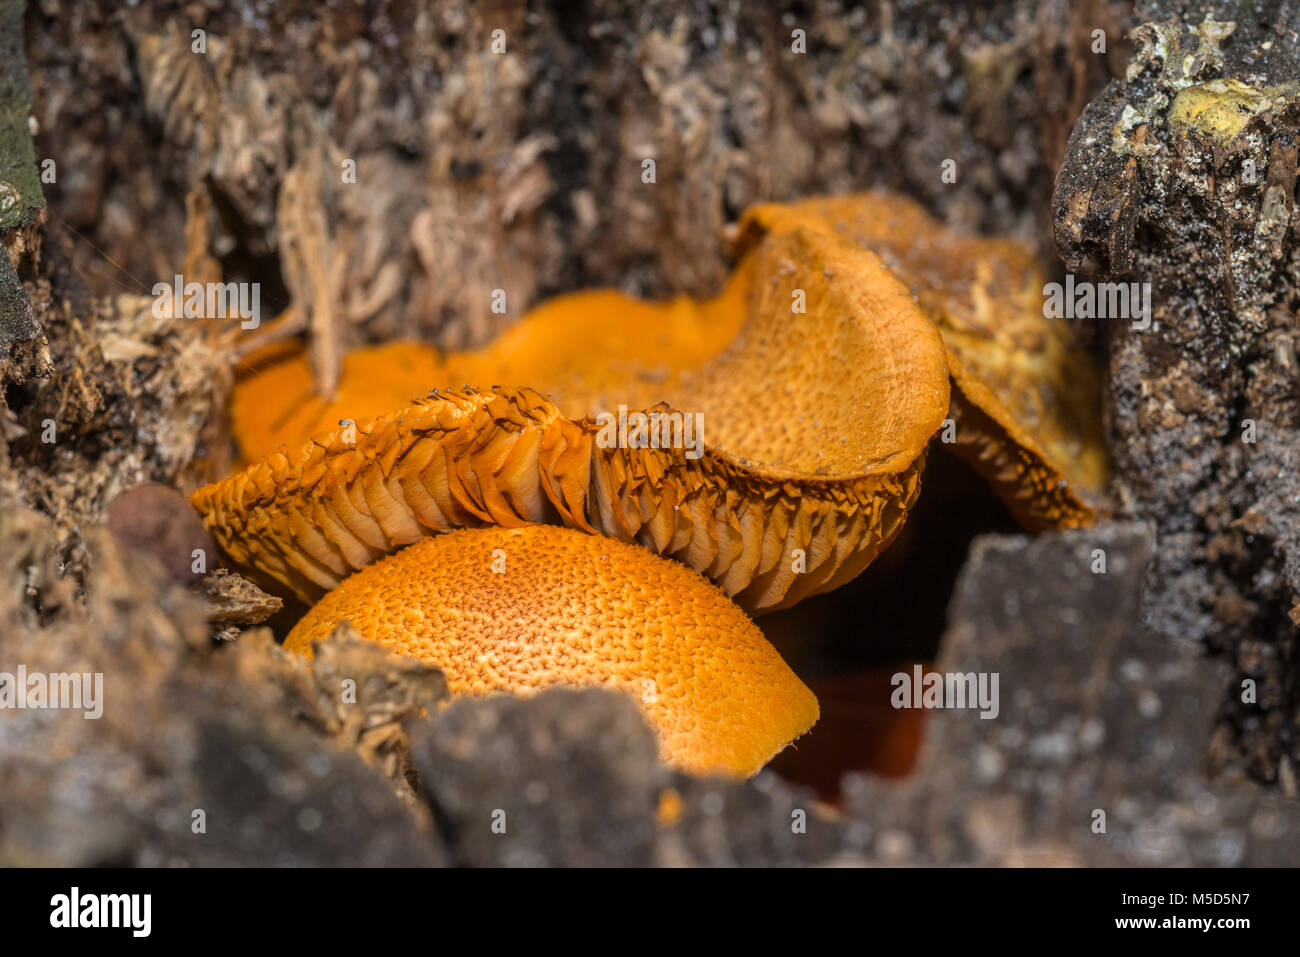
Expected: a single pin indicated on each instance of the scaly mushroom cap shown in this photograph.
(518, 610)
(1026, 401)
(815, 426)
(583, 350)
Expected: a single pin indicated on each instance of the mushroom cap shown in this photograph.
(1026, 399)
(815, 425)
(581, 349)
(519, 610)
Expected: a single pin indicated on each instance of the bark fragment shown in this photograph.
(1182, 175)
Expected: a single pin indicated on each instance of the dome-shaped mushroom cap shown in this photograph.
(519, 610)
(809, 433)
(1026, 399)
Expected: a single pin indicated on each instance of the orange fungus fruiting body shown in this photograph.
(811, 428)
(1026, 396)
(471, 510)
(519, 610)
(583, 349)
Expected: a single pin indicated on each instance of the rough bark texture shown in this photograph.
(198, 757)
(1104, 750)
(1183, 175)
(523, 170)
(22, 344)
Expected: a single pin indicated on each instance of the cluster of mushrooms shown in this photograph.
(486, 530)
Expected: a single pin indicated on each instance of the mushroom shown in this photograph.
(581, 349)
(819, 374)
(816, 418)
(519, 609)
(1025, 398)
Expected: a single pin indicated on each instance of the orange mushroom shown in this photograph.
(518, 610)
(1026, 400)
(815, 419)
(799, 406)
(582, 349)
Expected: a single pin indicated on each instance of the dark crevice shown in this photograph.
(847, 644)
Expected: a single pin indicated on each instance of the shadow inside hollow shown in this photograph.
(848, 644)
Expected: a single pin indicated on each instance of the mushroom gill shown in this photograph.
(815, 421)
(1026, 400)
(517, 610)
